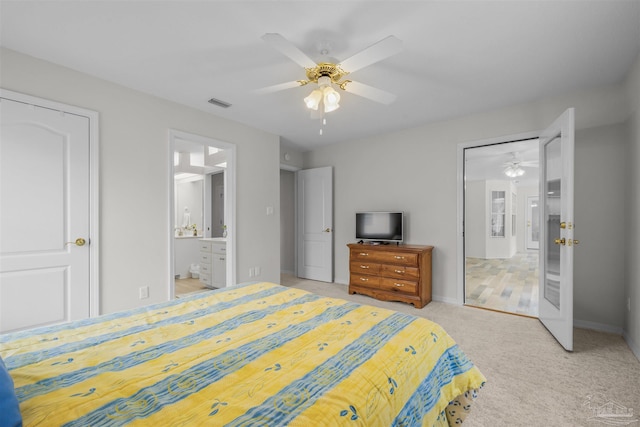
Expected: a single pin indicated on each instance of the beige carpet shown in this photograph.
(531, 380)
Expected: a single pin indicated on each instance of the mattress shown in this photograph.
(250, 355)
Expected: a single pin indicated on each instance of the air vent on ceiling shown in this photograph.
(219, 103)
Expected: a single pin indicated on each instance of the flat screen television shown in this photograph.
(380, 226)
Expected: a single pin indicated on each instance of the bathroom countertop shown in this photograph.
(214, 239)
(188, 237)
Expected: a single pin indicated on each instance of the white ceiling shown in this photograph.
(459, 57)
(489, 162)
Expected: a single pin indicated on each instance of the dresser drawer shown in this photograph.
(400, 272)
(398, 285)
(364, 255)
(364, 280)
(403, 258)
(205, 268)
(364, 268)
(205, 246)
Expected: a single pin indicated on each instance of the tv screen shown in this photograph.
(380, 226)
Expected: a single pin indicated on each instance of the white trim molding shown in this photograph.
(601, 327)
(635, 348)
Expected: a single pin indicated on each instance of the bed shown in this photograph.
(248, 355)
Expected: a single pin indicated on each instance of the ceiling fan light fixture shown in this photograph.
(330, 99)
(514, 171)
(313, 100)
(324, 94)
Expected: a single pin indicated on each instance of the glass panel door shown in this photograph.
(553, 186)
(533, 223)
(556, 229)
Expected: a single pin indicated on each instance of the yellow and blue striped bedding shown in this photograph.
(258, 354)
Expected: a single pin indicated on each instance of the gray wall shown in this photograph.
(598, 271)
(134, 177)
(422, 181)
(287, 222)
(632, 208)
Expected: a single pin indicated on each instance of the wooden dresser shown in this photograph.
(391, 272)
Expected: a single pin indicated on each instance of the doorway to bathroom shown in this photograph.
(202, 213)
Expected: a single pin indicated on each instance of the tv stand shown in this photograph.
(391, 273)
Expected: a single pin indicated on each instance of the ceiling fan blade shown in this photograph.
(278, 87)
(376, 52)
(370, 92)
(289, 49)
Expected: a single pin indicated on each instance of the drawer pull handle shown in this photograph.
(398, 257)
(399, 271)
(399, 285)
(364, 279)
(364, 254)
(364, 266)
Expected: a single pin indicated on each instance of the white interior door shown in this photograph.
(533, 222)
(557, 228)
(44, 199)
(315, 223)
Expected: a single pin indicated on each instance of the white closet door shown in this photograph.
(315, 223)
(44, 216)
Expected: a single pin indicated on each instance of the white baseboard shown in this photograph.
(635, 349)
(448, 300)
(341, 281)
(291, 273)
(585, 324)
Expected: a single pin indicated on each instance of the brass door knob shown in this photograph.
(79, 242)
(559, 241)
(327, 230)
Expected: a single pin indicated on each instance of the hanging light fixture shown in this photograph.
(324, 95)
(514, 170)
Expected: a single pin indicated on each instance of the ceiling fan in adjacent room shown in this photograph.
(328, 76)
(514, 167)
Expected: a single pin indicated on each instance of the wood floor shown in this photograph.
(189, 286)
(509, 285)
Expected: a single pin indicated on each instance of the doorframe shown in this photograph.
(94, 187)
(460, 249)
(229, 202)
(294, 170)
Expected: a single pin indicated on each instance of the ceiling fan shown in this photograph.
(513, 168)
(324, 98)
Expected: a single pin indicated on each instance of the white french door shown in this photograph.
(45, 212)
(315, 223)
(557, 228)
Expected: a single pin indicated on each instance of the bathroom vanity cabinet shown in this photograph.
(213, 262)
